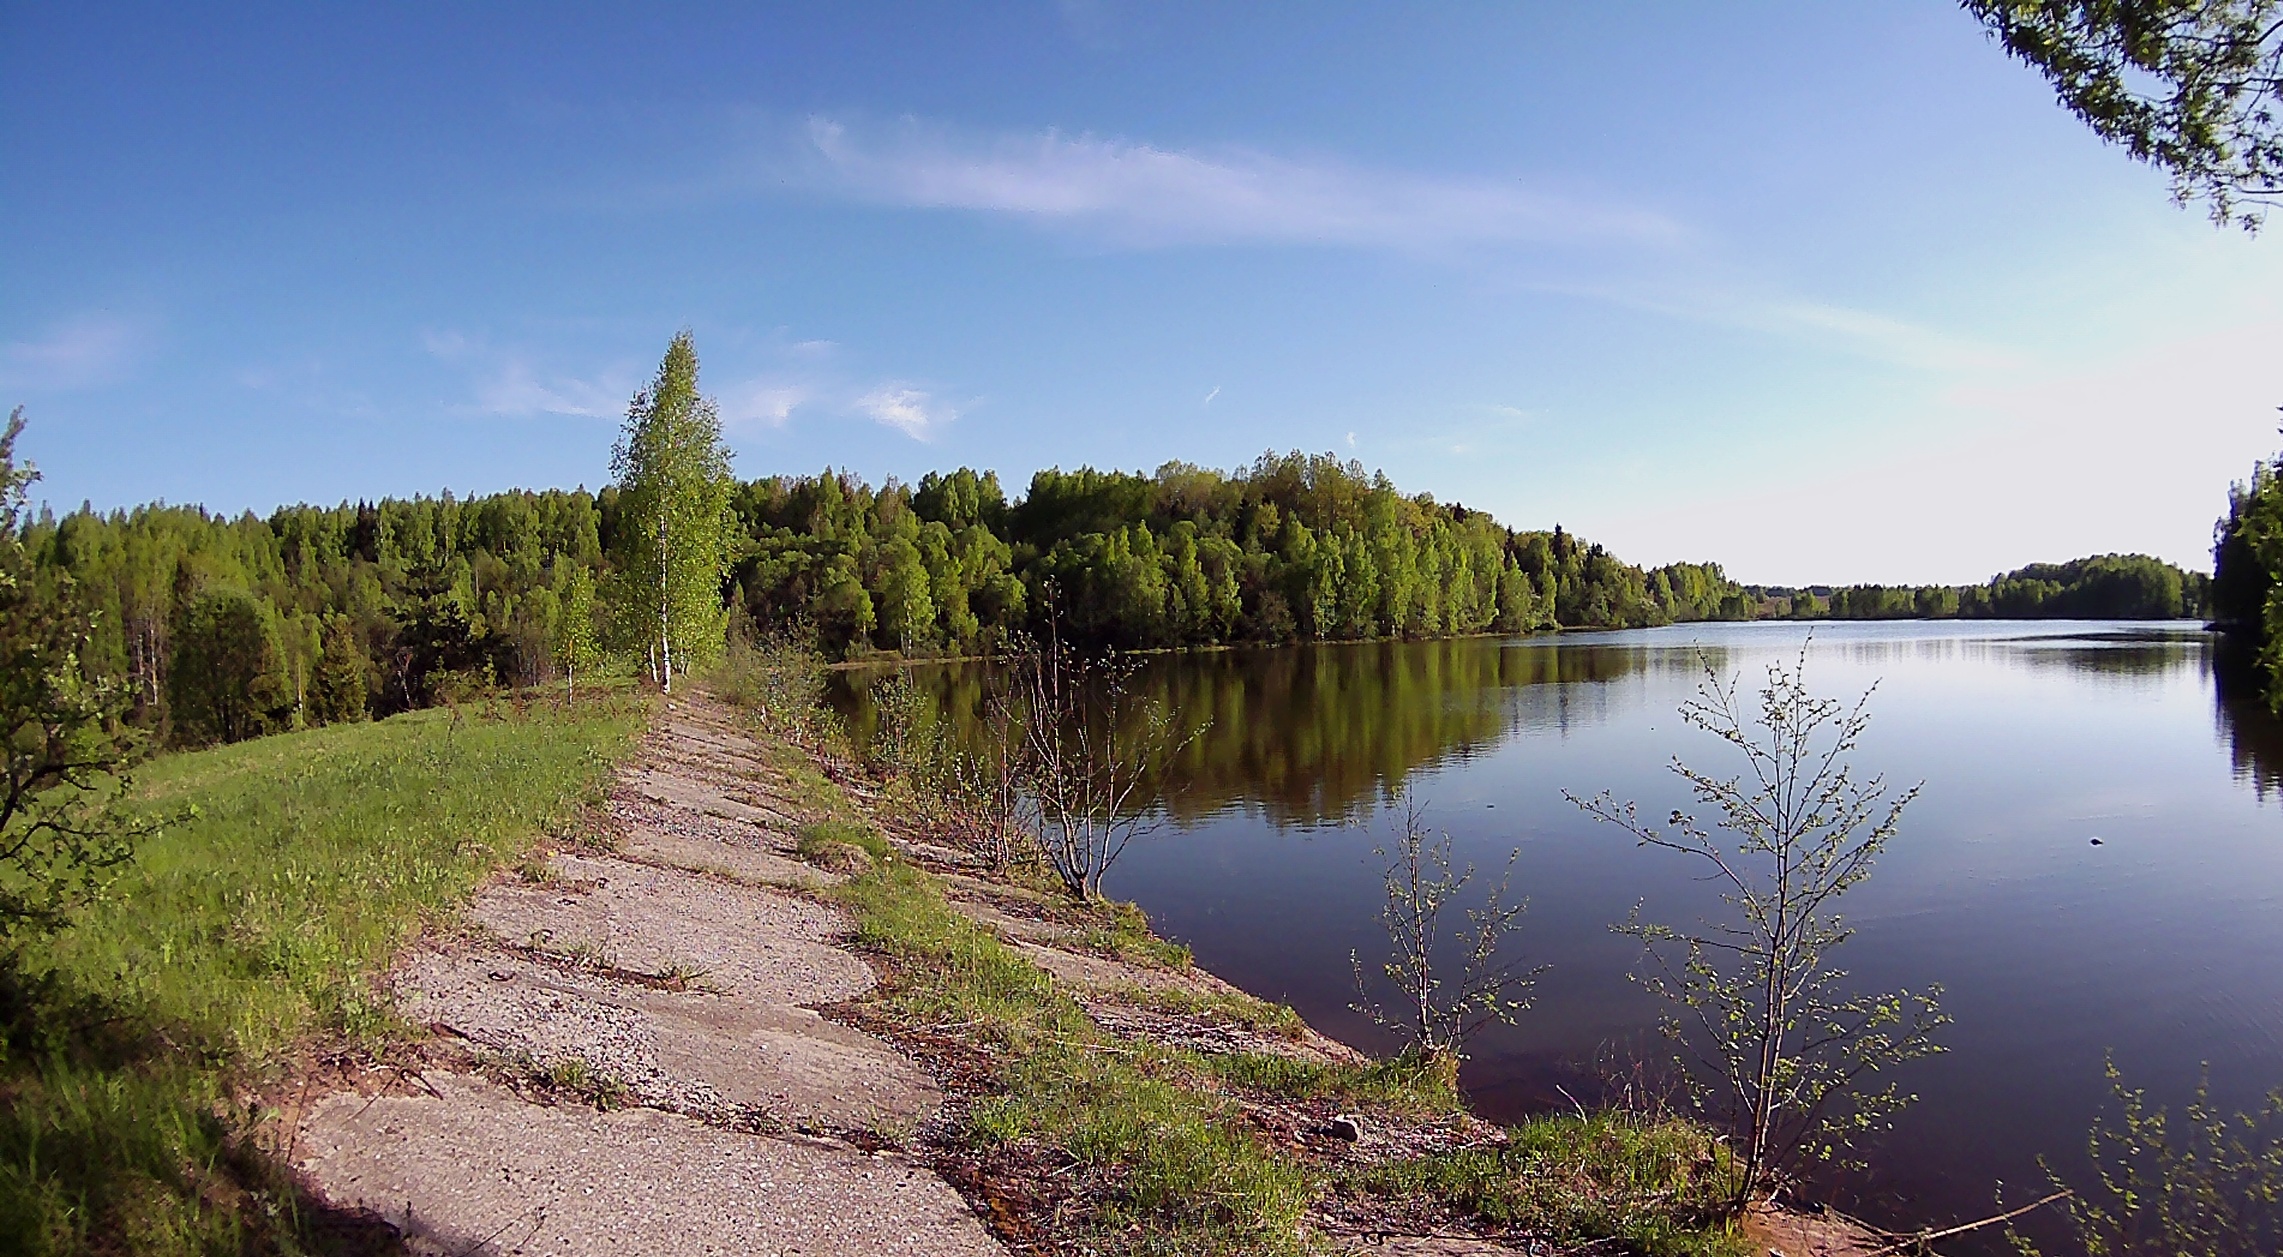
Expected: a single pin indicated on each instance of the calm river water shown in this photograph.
(2161, 945)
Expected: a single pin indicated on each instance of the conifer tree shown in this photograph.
(674, 492)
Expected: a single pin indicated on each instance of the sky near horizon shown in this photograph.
(1819, 292)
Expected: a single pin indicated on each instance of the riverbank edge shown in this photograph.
(1423, 1182)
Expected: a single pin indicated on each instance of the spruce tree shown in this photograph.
(674, 489)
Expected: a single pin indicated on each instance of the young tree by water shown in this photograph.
(1087, 746)
(1780, 1049)
(675, 523)
(63, 759)
(1439, 1014)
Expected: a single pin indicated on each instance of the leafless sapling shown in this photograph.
(1781, 1050)
(1438, 1014)
(1088, 745)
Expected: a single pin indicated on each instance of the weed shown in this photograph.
(1186, 1164)
(843, 846)
(684, 975)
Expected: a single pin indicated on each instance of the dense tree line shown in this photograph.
(2247, 562)
(221, 628)
(1295, 547)
(2100, 587)
(225, 628)
(229, 627)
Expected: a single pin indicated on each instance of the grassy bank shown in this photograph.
(253, 928)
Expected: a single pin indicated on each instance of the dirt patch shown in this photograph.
(1781, 1234)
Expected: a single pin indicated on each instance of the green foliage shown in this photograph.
(227, 680)
(342, 687)
(1191, 1175)
(313, 857)
(576, 646)
(2247, 557)
(387, 598)
(2167, 1184)
(1292, 547)
(675, 524)
(2192, 87)
(62, 756)
(2099, 587)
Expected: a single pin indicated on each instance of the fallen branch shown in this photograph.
(1928, 1237)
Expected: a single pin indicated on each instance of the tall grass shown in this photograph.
(259, 923)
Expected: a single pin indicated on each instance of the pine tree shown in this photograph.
(674, 493)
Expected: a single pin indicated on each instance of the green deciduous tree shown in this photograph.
(675, 522)
(1440, 1010)
(576, 647)
(227, 681)
(63, 755)
(2193, 87)
(342, 687)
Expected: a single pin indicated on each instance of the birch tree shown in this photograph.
(675, 524)
(1787, 1052)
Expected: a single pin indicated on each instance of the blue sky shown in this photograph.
(1822, 292)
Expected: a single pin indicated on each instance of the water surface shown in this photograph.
(2159, 945)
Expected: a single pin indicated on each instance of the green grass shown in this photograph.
(1166, 1128)
(1183, 1163)
(838, 842)
(1123, 932)
(235, 936)
(1655, 1186)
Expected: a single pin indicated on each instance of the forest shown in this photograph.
(2099, 587)
(220, 628)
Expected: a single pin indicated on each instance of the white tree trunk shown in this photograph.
(665, 624)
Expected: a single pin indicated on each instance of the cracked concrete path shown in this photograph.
(471, 1169)
(680, 976)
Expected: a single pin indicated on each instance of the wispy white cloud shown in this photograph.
(514, 390)
(1138, 194)
(79, 353)
(769, 401)
(1210, 396)
(908, 410)
(1744, 304)
(1126, 193)
(509, 385)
